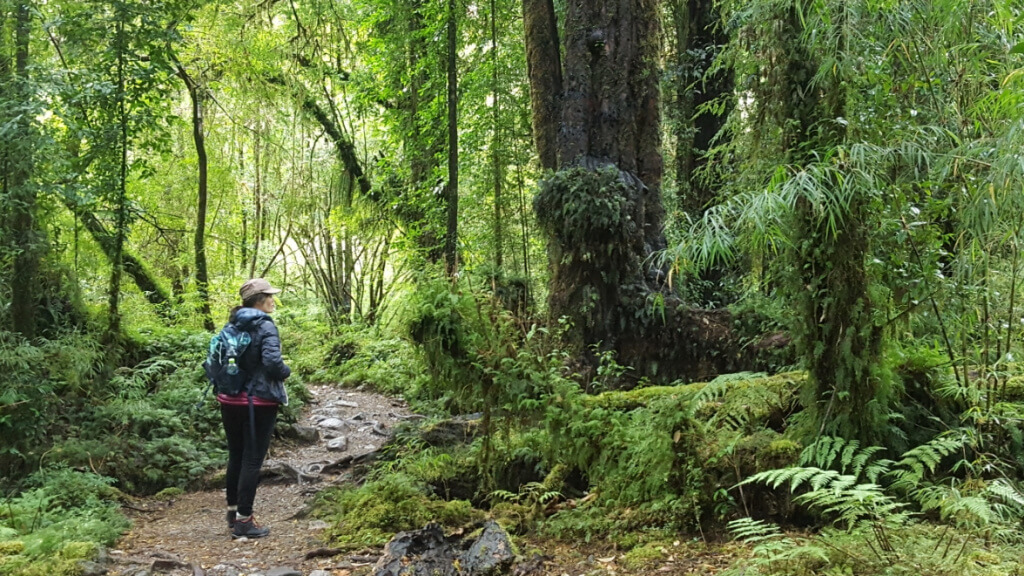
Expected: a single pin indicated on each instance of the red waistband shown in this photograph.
(242, 399)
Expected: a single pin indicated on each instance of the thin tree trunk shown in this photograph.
(257, 196)
(451, 237)
(244, 260)
(26, 238)
(202, 277)
(121, 205)
(499, 175)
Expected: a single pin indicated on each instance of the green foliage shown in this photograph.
(658, 456)
(587, 211)
(875, 503)
(41, 380)
(370, 515)
(478, 356)
(61, 517)
(355, 355)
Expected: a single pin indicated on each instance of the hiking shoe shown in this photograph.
(231, 519)
(248, 528)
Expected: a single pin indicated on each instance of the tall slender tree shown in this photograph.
(18, 186)
(196, 93)
(451, 253)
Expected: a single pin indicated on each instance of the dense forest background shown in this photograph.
(691, 262)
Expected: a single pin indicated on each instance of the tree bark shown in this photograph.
(499, 175)
(257, 197)
(699, 38)
(602, 210)
(202, 277)
(610, 111)
(544, 69)
(23, 197)
(452, 231)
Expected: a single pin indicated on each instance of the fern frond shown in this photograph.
(750, 530)
(1006, 492)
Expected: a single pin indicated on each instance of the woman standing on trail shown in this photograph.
(249, 418)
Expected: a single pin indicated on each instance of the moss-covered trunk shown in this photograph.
(827, 281)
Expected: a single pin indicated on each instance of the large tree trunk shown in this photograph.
(610, 108)
(544, 68)
(202, 277)
(603, 210)
(19, 167)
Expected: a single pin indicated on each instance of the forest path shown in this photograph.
(188, 535)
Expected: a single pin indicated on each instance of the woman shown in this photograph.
(249, 417)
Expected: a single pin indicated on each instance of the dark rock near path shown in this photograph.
(283, 571)
(306, 434)
(423, 552)
(91, 568)
(491, 553)
(428, 552)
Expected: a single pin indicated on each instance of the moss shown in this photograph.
(1014, 389)
(984, 557)
(371, 514)
(758, 394)
(783, 449)
(78, 551)
(23, 566)
(643, 556)
(167, 493)
(631, 399)
(11, 548)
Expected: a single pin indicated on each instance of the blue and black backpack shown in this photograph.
(223, 362)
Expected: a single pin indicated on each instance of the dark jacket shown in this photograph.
(262, 359)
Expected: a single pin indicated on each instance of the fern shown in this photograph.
(750, 530)
(916, 462)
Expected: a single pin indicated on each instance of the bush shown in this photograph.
(61, 517)
(371, 514)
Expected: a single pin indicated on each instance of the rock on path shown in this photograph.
(188, 535)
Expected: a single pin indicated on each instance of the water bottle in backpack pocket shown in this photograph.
(222, 362)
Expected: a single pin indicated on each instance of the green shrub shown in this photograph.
(61, 517)
(371, 514)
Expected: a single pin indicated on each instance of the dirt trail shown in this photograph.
(188, 535)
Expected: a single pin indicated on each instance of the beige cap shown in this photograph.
(254, 287)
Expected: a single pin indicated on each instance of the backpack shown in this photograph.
(222, 364)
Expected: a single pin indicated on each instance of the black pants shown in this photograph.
(246, 451)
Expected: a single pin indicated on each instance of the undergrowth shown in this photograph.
(889, 516)
(60, 517)
(371, 514)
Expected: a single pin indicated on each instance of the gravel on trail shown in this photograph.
(188, 534)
